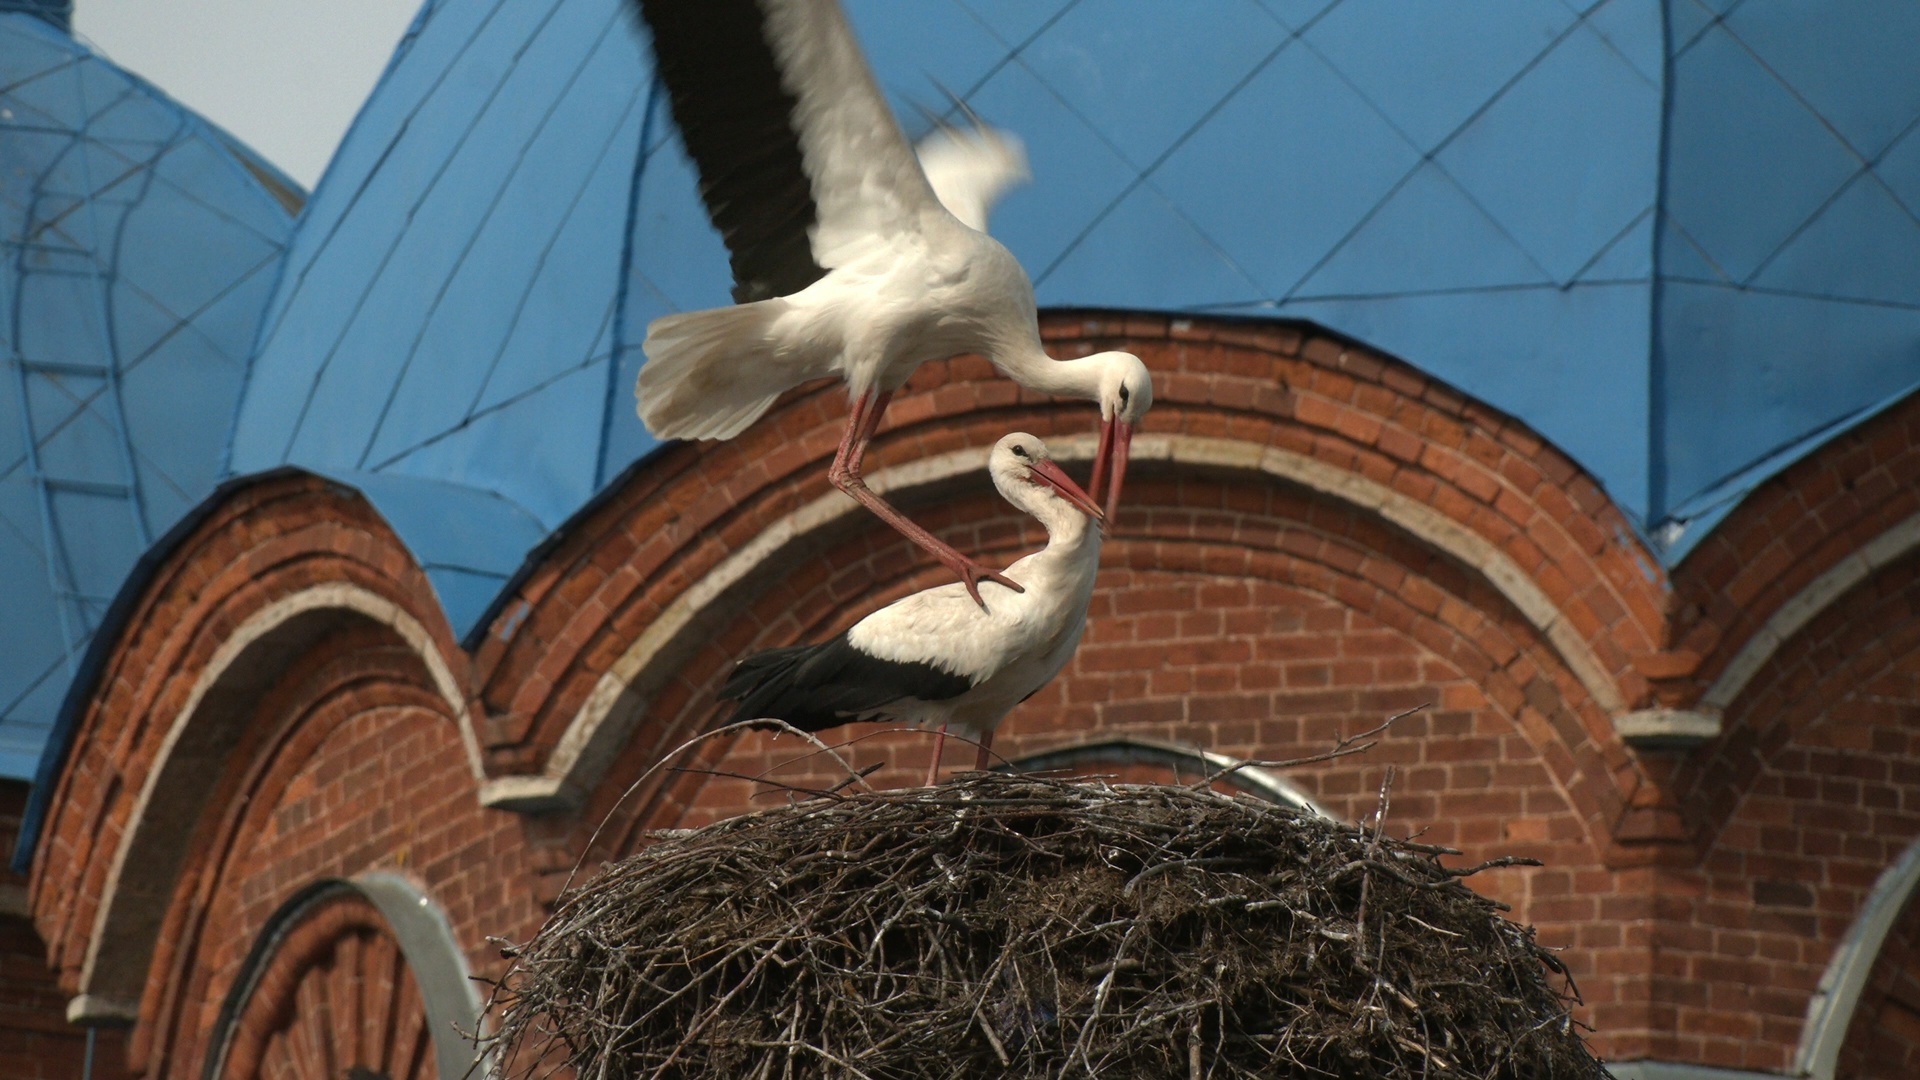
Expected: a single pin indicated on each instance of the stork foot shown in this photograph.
(971, 574)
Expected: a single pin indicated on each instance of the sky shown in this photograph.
(285, 76)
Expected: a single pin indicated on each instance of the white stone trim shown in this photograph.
(597, 730)
(93, 1010)
(1834, 1000)
(1654, 729)
(334, 596)
(448, 994)
(1681, 1070)
(1797, 612)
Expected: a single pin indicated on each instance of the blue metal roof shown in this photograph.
(445, 325)
(1678, 239)
(139, 245)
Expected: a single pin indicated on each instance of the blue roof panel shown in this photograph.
(1300, 106)
(1077, 174)
(951, 48)
(1106, 60)
(132, 232)
(1749, 162)
(1184, 268)
(1412, 243)
(1582, 124)
(1848, 69)
(458, 268)
(1861, 246)
(1786, 366)
(1431, 67)
(1013, 21)
(678, 262)
(1578, 354)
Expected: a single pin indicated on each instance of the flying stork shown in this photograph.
(935, 659)
(849, 258)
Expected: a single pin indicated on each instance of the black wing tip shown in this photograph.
(814, 687)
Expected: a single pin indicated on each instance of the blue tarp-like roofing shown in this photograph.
(1678, 239)
(137, 249)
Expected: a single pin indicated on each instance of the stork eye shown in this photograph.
(1123, 395)
(1020, 452)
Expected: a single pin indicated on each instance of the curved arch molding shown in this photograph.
(618, 699)
(426, 941)
(1834, 1000)
(1818, 595)
(134, 897)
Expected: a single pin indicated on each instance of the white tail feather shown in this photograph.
(711, 373)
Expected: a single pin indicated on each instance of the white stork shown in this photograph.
(935, 658)
(845, 260)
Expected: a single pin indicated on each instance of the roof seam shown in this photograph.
(379, 271)
(474, 235)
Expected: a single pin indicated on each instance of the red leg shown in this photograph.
(939, 744)
(845, 474)
(986, 743)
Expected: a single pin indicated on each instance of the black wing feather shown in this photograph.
(737, 123)
(814, 687)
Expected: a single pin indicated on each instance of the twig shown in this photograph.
(1345, 747)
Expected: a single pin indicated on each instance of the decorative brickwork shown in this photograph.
(334, 999)
(1314, 537)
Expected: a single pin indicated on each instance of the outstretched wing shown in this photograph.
(800, 160)
(970, 168)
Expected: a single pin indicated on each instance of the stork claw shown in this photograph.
(972, 574)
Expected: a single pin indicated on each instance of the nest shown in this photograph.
(1020, 926)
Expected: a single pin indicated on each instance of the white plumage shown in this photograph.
(936, 659)
(845, 259)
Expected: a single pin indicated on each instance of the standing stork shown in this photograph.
(935, 658)
(845, 260)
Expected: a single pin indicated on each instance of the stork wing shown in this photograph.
(801, 161)
(970, 168)
(942, 627)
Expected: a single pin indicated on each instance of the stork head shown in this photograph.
(1126, 393)
(1025, 473)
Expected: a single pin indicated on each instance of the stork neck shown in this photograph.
(1067, 528)
(1029, 365)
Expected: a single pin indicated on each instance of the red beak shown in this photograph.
(1046, 472)
(1101, 453)
(1115, 437)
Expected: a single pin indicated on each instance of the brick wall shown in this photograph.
(1883, 1042)
(36, 1042)
(1241, 609)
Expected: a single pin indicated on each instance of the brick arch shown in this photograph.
(328, 992)
(623, 599)
(1825, 678)
(273, 568)
(254, 796)
(1227, 528)
(1883, 1040)
(1799, 808)
(1789, 551)
(1865, 1018)
(1471, 771)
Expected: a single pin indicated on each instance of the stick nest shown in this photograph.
(1028, 927)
